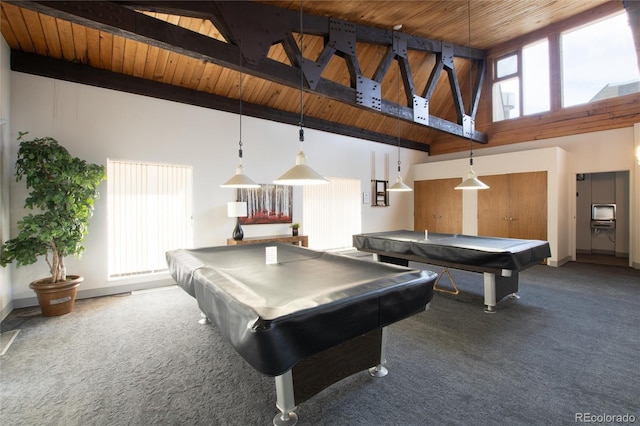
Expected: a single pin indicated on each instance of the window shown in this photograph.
(536, 96)
(149, 212)
(521, 82)
(593, 62)
(599, 62)
(332, 213)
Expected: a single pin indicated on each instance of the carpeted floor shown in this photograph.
(570, 344)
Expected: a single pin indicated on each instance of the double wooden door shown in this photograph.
(515, 206)
(437, 206)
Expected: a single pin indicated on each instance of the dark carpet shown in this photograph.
(569, 345)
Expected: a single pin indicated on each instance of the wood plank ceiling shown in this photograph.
(365, 89)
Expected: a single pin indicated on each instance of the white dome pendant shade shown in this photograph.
(301, 174)
(472, 182)
(400, 186)
(240, 180)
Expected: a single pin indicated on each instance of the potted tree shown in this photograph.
(294, 228)
(62, 190)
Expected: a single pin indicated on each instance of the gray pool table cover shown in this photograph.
(275, 315)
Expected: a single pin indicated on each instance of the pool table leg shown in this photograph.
(497, 287)
(380, 370)
(203, 319)
(285, 400)
(490, 292)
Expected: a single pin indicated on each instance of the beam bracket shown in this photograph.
(420, 110)
(368, 93)
(342, 36)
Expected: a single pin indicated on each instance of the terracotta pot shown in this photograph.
(56, 298)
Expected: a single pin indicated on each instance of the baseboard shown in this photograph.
(6, 310)
(99, 292)
(559, 262)
(604, 252)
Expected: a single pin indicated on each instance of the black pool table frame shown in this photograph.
(499, 259)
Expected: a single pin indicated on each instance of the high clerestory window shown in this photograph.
(595, 61)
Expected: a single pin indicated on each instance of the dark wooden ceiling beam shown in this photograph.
(269, 25)
(78, 73)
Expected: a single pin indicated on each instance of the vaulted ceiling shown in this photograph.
(417, 86)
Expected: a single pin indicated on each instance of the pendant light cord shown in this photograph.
(240, 90)
(240, 86)
(301, 79)
(470, 88)
(398, 118)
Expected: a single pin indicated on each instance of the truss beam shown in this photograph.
(250, 29)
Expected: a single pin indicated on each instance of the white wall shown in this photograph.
(562, 158)
(5, 174)
(96, 124)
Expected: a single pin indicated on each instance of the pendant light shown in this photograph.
(301, 174)
(240, 180)
(471, 182)
(399, 186)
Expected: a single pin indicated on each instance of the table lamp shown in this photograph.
(237, 209)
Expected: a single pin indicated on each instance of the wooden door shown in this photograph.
(493, 207)
(424, 205)
(437, 206)
(528, 205)
(449, 207)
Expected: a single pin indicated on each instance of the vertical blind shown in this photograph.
(332, 213)
(150, 212)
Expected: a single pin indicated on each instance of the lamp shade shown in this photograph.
(237, 209)
(240, 180)
(399, 186)
(472, 182)
(301, 174)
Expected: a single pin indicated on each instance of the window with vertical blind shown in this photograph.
(332, 213)
(149, 212)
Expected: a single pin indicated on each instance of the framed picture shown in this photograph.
(267, 204)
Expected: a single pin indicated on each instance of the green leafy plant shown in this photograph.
(62, 193)
(294, 225)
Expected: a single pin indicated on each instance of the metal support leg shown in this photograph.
(285, 400)
(490, 292)
(203, 320)
(380, 370)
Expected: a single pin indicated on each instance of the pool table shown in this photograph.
(309, 318)
(499, 259)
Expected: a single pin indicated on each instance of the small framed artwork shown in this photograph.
(266, 205)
